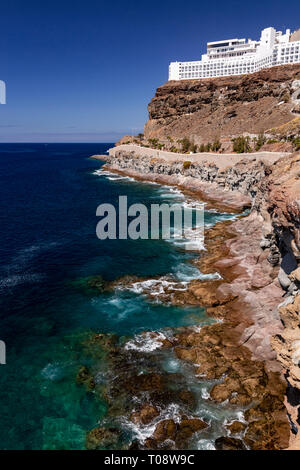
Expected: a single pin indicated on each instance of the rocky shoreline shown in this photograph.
(230, 189)
(257, 257)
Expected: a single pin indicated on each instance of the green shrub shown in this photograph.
(286, 97)
(185, 144)
(260, 141)
(186, 165)
(216, 146)
(296, 143)
(241, 144)
(153, 142)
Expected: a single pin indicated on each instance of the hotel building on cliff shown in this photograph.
(238, 56)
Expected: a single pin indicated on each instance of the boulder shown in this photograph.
(229, 443)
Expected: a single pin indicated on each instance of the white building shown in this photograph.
(238, 56)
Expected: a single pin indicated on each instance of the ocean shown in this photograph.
(48, 251)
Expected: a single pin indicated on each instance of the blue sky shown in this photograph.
(85, 71)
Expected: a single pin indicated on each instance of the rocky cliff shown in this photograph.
(258, 256)
(260, 268)
(233, 187)
(278, 201)
(223, 107)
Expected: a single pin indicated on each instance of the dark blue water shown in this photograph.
(48, 246)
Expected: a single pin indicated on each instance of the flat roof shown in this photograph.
(226, 40)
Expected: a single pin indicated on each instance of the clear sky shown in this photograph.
(84, 71)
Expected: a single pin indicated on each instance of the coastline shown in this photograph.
(209, 192)
(234, 250)
(214, 197)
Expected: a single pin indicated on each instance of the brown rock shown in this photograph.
(145, 415)
(186, 429)
(101, 438)
(229, 443)
(145, 382)
(224, 106)
(165, 430)
(236, 427)
(187, 397)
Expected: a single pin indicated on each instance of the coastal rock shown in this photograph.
(145, 382)
(102, 438)
(229, 188)
(186, 429)
(237, 351)
(165, 430)
(295, 275)
(177, 435)
(229, 443)
(237, 427)
(145, 415)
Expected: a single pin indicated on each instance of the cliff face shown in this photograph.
(278, 201)
(233, 187)
(260, 264)
(222, 107)
(258, 298)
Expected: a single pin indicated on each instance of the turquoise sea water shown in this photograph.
(49, 196)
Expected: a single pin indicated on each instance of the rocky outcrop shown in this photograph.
(232, 187)
(260, 270)
(223, 107)
(278, 201)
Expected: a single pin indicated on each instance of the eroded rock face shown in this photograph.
(206, 109)
(258, 257)
(278, 202)
(231, 187)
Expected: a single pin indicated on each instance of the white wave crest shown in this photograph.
(146, 342)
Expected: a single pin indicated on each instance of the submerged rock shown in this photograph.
(102, 438)
(85, 378)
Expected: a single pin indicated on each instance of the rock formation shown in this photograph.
(278, 201)
(231, 187)
(223, 107)
(255, 350)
